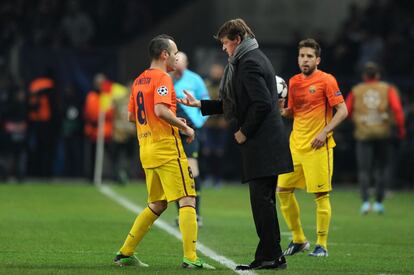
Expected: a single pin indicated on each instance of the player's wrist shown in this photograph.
(284, 112)
(197, 103)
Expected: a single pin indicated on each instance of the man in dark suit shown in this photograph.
(249, 97)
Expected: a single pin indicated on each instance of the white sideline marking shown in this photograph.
(171, 230)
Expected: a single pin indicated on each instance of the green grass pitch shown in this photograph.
(74, 229)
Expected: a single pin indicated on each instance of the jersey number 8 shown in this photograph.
(142, 117)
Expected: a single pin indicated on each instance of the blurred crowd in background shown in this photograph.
(57, 58)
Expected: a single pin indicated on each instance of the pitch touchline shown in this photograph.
(171, 230)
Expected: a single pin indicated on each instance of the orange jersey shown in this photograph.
(312, 100)
(159, 142)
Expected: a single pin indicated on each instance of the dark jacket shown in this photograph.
(266, 151)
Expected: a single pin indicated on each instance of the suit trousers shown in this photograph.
(263, 204)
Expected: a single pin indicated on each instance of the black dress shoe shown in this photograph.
(243, 267)
(275, 264)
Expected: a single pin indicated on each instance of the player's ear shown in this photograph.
(165, 54)
(318, 60)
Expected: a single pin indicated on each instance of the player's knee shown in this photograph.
(321, 194)
(158, 207)
(187, 201)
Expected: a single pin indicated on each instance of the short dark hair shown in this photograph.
(159, 44)
(310, 43)
(371, 70)
(233, 28)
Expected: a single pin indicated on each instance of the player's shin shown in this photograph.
(323, 218)
(188, 228)
(140, 227)
(291, 212)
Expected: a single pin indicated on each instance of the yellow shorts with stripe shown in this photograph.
(312, 170)
(170, 181)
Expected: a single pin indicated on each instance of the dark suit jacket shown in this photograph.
(266, 151)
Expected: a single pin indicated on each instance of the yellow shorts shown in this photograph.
(170, 181)
(312, 170)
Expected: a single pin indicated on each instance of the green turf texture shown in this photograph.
(74, 229)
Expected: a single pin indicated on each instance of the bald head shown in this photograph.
(181, 61)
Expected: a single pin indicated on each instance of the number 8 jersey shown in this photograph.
(159, 141)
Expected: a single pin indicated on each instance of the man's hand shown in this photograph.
(281, 103)
(189, 100)
(320, 140)
(240, 137)
(189, 132)
(182, 119)
(284, 112)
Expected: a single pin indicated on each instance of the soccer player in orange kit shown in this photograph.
(152, 107)
(313, 94)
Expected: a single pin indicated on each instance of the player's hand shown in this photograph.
(240, 137)
(281, 103)
(284, 112)
(189, 132)
(189, 100)
(182, 120)
(320, 140)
